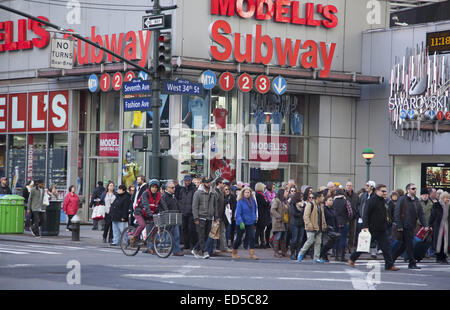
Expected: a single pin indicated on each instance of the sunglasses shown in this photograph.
(311, 197)
(171, 187)
(413, 189)
(384, 191)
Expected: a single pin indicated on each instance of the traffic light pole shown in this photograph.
(155, 161)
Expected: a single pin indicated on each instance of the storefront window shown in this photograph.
(144, 119)
(81, 157)
(2, 155)
(57, 162)
(17, 159)
(84, 98)
(37, 157)
(133, 161)
(105, 111)
(274, 114)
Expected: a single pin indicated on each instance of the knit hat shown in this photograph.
(424, 191)
(371, 184)
(187, 177)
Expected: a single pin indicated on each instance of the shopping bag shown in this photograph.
(215, 231)
(364, 242)
(98, 213)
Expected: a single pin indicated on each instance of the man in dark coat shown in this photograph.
(4, 188)
(185, 197)
(407, 211)
(96, 197)
(169, 203)
(354, 199)
(375, 221)
(119, 213)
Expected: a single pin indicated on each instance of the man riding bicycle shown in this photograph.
(145, 205)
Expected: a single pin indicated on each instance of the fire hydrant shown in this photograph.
(75, 228)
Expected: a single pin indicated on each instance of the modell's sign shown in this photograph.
(109, 145)
(419, 91)
(269, 148)
(132, 45)
(259, 48)
(40, 111)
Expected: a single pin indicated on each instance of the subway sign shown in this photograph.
(260, 48)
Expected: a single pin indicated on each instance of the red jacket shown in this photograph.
(71, 204)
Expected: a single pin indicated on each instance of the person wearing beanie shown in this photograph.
(426, 203)
(185, 199)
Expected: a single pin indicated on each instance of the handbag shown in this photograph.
(98, 213)
(332, 233)
(364, 241)
(285, 215)
(215, 231)
(423, 234)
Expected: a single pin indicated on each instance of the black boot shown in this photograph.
(294, 252)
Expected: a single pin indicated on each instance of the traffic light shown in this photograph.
(164, 55)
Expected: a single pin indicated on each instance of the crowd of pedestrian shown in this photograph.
(221, 217)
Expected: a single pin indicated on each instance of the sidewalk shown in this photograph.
(89, 237)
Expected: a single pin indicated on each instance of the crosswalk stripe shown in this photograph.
(12, 252)
(32, 251)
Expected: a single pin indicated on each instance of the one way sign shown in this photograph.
(156, 22)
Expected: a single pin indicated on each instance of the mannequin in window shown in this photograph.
(130, 170)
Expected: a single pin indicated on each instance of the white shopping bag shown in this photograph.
(364, 241)
(98, 213)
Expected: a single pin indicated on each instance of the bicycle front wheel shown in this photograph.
(163, 243)
(127, 249)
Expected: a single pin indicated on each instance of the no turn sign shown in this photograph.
(61, 56)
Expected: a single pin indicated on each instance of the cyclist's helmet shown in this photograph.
(154, 182)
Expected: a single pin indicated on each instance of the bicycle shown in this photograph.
(159, 237)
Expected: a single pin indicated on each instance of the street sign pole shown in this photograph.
(155, 162)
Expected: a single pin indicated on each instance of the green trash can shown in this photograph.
(11, 214)
(52, 220)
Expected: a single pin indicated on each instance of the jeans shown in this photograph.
(228, 233)
(382, 239)
(118, 228)
(176, 238)
(203, 229)
(141, 222)
(297, 235)
(406, 244)
(189, 232)
(267, 233)
(249, 233)
(38, 220)
(343, 239)
(316, 238)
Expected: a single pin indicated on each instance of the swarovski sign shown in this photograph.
(419, 91)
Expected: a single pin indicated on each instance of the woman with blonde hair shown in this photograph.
(440, 223)
(246, 217)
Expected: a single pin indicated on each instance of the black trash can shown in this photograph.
(52, 221)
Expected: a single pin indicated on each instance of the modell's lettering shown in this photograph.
(7, 42)
(285, 53)
(281, 11)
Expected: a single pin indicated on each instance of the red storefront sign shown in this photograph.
(39, 111)
(268, 148)
(109, 145)
(7, 42)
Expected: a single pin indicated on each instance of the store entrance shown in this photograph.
(104, 169)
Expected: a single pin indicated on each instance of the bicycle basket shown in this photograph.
(167, 219)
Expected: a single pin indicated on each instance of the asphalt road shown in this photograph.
(34, 266)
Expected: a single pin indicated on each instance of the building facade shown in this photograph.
(56, 129)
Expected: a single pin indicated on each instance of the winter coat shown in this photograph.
(220, 202)
(390, 210)
(246, 212)
(296, 215)
(276, 210)
(5, 190)
(119, 208)
(142, 206)
(426, 206)
(185, 198)
(25, 195)
(168, 203)
(340, 208)
(330, 217)
(204, 204)
(96, 194)
(71, 204)
(363, 203)
(375, 216)
(435, 223)
(311, 218)
(353, 198)
(230, 199)
(413, 212)
(263, 210)
(35, 201)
